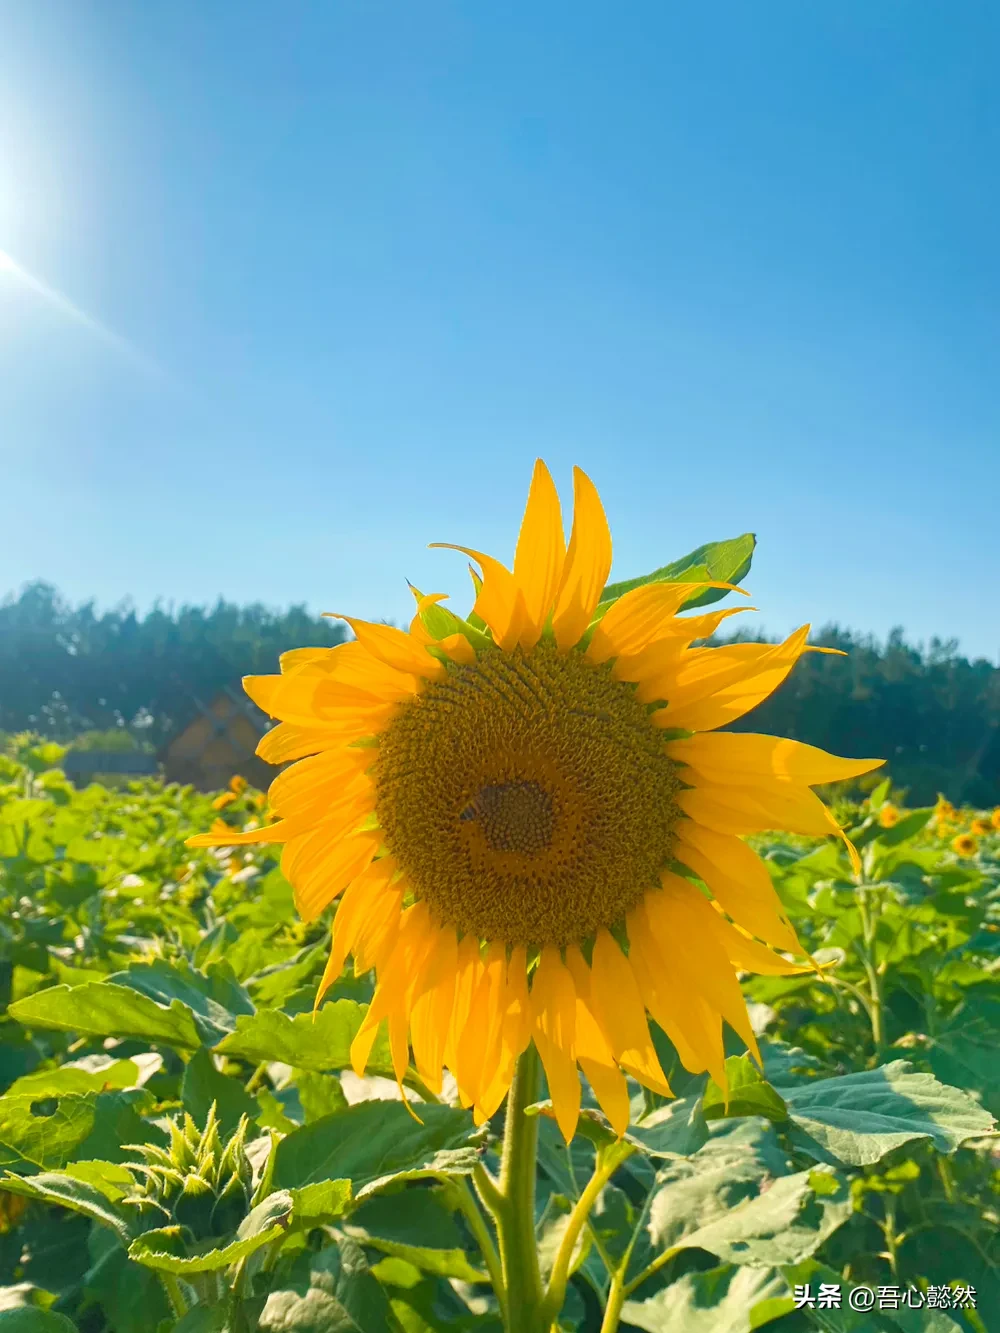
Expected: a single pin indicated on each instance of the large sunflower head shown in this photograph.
(534, 823)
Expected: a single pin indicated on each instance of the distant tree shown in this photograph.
(65, 670)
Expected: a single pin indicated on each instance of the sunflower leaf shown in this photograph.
(319, 1042)
(375, 1143)
(749, 1093)
(105, 1009)
(717, 562)
(721, 1300)
(859, 1118)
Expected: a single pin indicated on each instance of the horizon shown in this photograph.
(285, 296)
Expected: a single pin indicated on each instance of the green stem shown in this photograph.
(257, 1078)
(174, 1294)
(869, 926)
(616, 1301)
(465, 1200)
(513, 1204)
(609, 1159)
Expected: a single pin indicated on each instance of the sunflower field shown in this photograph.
(185, 1147)
(504, 1009)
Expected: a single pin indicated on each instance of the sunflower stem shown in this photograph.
(514, 1208)
(609, 1159)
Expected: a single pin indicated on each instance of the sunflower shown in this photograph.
(995, 818)
(965, 844)
(982, 827)
(516, 810)
(888, 816)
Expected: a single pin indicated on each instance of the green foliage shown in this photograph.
(179, 1153)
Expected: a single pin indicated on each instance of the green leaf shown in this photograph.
(78, 1195)
(103, 1009)
(131, 1298)
(786, 1222)
(319, 1204)
(48, 1131)
(964, 1050)
(907, 827)
(716, 562)
(739, 1158)
(214, 997)
(749, 1093)
(721, 1300)
(91, 1075)
(675, 1129)
(416, 1226)
(30, 1319)
(376, 1142)
(269, 1220)
(318, 1044)
(861, 1117)
(203, 1084)
(329, 1292)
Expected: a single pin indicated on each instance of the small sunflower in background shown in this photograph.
(514, 810)
(888, 815)
(995, 818)
(226, 798)
(964, 845)
(981, 827)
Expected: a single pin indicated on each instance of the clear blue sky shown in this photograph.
(339, 272)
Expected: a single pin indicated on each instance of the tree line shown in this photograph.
(67, 670)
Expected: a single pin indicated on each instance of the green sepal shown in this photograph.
(440, 622)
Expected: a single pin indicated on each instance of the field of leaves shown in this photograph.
(181, 1148)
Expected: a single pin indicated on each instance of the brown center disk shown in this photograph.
(527, 797)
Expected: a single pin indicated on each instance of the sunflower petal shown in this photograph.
(641, 616)
(736, 757)
(737, 878)
(684, 927)
(540, 554)
(395, 648)
(553, 1007)
(617, 1005)
(587, 566)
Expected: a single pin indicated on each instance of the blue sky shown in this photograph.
(337, 273)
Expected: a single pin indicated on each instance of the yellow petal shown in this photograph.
(497, 597)
(738, 880)
(594, 1051)
(738, 756)
(540, 554)
(310, 701)
(431, 1017)
(741, 810)
(618, 1008)
(683, 1013)
(749, 956)
(684, 928)
(230, 837)
(319, 868)
(334, 773)
(588, 564)
(515, 1032)
(553, 1008)
(478, 1045)
(369, 892)
(468, 971)
(718, 685)
(289, 741)
(641, 616)
(395, 648)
